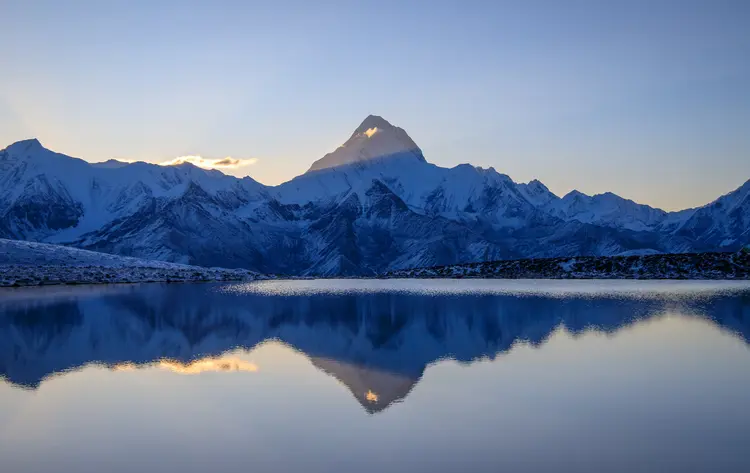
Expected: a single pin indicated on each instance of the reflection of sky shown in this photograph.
(670, 391)
(646, 99)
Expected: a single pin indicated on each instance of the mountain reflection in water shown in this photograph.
(378, 344)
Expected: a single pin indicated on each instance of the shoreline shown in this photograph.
(62, 275)
(675, 267)
(666, 266)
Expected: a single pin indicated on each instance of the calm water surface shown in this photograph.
(375, 376)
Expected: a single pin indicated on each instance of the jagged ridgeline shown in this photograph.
(373, 205)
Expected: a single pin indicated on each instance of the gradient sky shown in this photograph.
(648, 99)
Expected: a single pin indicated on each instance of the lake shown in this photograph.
(376, 376)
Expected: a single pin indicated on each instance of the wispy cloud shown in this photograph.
(209, 163)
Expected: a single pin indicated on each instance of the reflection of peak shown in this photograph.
(378, 345)
(374, 389)
(374, 139)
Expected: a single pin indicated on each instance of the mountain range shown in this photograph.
(373, 205)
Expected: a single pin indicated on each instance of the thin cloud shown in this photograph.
(208, 163)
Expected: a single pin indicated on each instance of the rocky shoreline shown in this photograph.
(50, 275)
(660, 266)
(25, 263)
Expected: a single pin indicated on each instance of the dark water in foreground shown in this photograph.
(376, 376)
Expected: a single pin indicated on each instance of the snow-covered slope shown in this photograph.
(723, 224)
(24, 263)
(606, 209)
(463, 193)
(374, 204)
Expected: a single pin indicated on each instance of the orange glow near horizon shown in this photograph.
(220, 364)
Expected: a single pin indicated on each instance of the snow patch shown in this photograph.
(24, 263)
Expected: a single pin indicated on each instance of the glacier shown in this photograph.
(371, 206)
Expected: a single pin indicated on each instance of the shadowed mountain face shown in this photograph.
(373, 205)
(378, 344)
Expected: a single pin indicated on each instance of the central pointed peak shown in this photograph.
(375, 139)
(372, 122)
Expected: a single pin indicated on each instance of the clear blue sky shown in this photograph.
(649, 99)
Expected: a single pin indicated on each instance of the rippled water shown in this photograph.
(367, 376)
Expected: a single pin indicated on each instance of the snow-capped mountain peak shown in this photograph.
(374, 139)
(372, 122)
(575, 195)
(25, 149)
(26, 145)
(537, 193)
